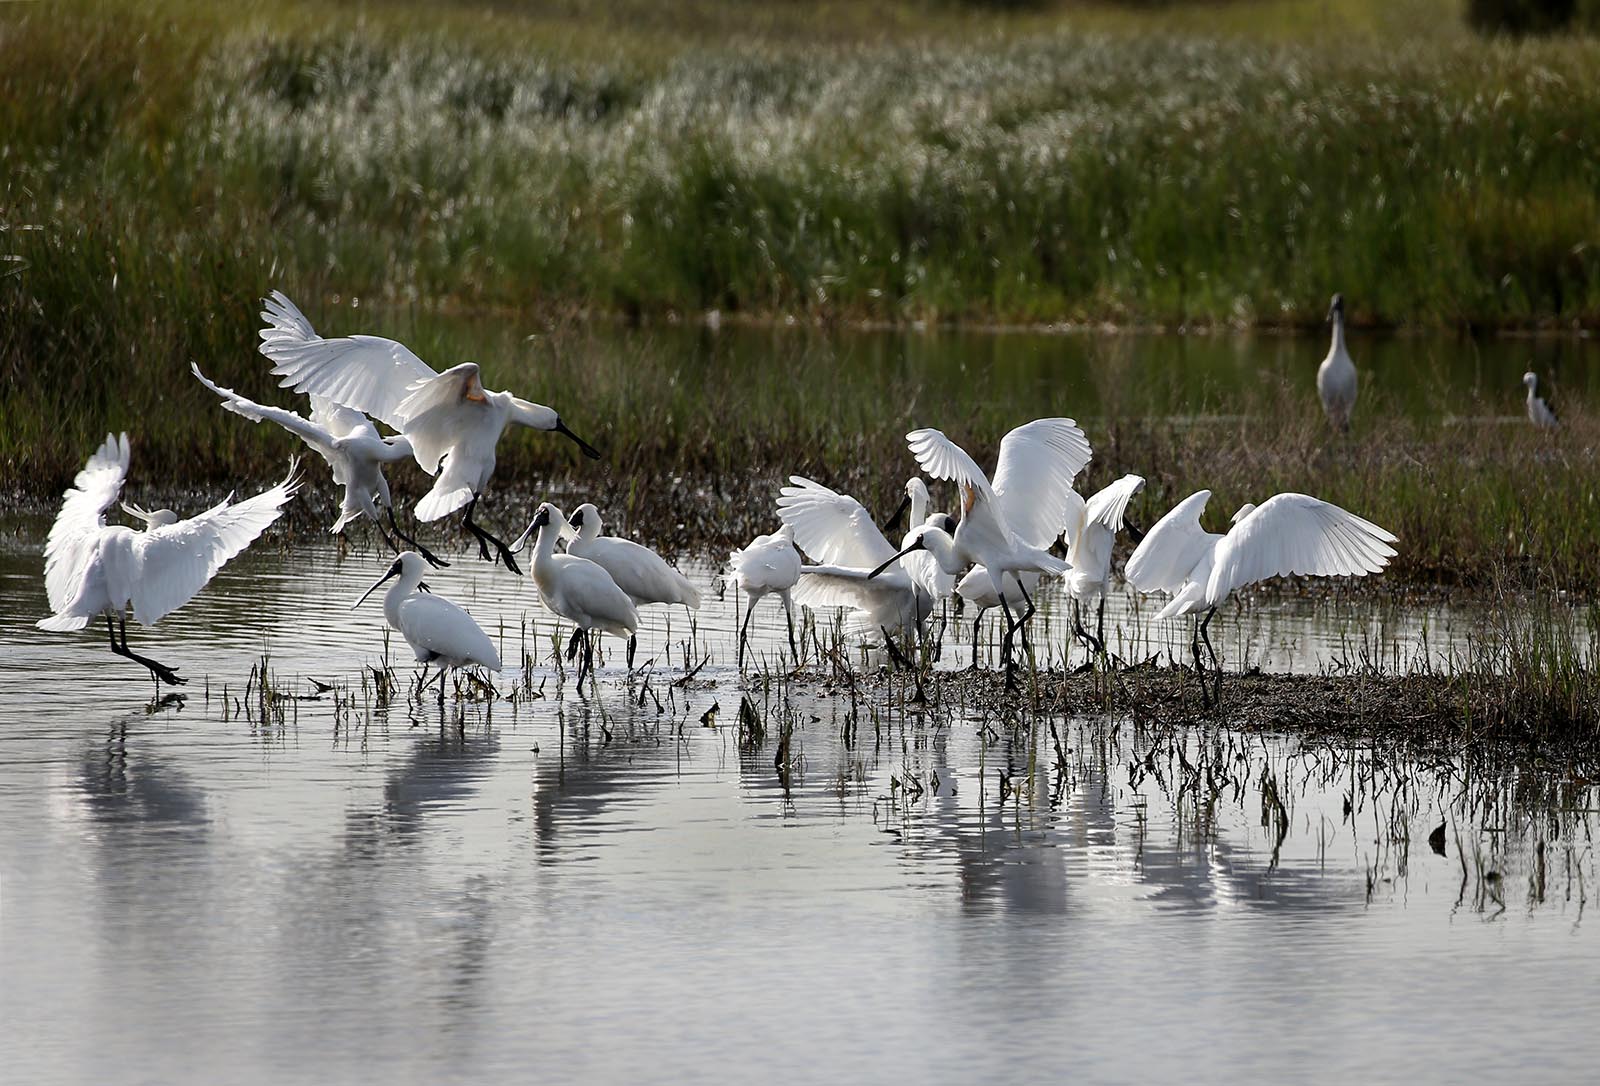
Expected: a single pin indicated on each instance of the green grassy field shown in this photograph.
(167, 162)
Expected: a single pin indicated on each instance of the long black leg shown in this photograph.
(788, 614)
(744, 631)
(428, 556)
(633, 643)
(572, 644)
(161, 672)
(1216, 665)
(977, 628)
(1005, 642)
(1089, 639)
(588, 655)
(485, 538)
(895, 655)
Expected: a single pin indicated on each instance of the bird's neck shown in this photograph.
(919, 508)
(1337, 347)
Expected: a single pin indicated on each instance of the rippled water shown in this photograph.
(571, 889)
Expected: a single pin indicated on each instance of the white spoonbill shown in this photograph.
(449, 417)
(767, 564)
(92, 568)
(1539, 412)
(1336, 377)
(1006, 526)
(576, 588)
(1288, 533)
(438, 631)
(348, 441)
(837, 531)
(922, 566)
(639, 571)
(1089, 542)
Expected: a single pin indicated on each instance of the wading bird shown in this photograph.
(576, 588)
(837, 531)
(1539, 412)
(348, 441)
(768, 564)
(449, 417)
(1286, 534)
(639, 571)
(1336, 377)
(1090, 538)
(438, 631)
(1006, 526)
(922, 566)
(92, 568)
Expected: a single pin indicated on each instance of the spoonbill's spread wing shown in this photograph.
(83, 508)
(1108, 506)
(1169, 552)
(769, 563)
(434, 623)
(1296, 533)
(1038, 462)
(944, 459)
(368, 373)
(175, 561)
(439, 410)
(339, 420)
(317, 436)
(832, 528)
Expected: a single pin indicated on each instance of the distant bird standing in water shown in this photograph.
(1539, 412)
(639, 571)
(1336, 377)
(768, 564)
(452, 421)
(438, 631)
(92, 568)
(348, 441)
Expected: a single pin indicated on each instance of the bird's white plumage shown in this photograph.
(1336, 377)
(92, 568)
(1169, 552)
(977, 588)
(890, 601)
(833, 528)
(768, 563)
(1296, 533)
(1033, 480)
(1098, 523)
(1539, 412)
(576, 588)
(639, 571)
(438, 631)
(922, 566)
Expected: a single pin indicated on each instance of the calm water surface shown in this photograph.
(570, 889)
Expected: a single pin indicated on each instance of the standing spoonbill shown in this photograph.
(922, 566)
(837, 531)
(92, 568)
(1006, 526)
(767, 564)
(576, 588)
(1286, 534)
(449, 417)
(348, 441)
(1539, 412)
(1336, 377)
(639, 571)
(1089, 543)
(438, 631)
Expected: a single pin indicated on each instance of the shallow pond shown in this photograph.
(605, 888)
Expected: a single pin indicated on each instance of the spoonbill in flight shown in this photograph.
(639, 571)
(92, 568)
(1336, 377)
(1286, 534)
(1539, 412)
(450, 418)
(837, 531)
(1089, 541)
(768, 564)
(1006, 526)
(576, 588)
(438, 631)
(348, 441)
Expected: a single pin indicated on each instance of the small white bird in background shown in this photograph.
(452, 421)
(92, 568)
(837, 531)
(576, 588)
(1007, 526)
(1336, 377)
(639, 571)
(1089, 541)
(767, 565)
(438, 631)
(1539, 412)
(348, 441)
(1286, 534)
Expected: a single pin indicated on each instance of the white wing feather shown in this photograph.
(944, 459)
(313, 434)
(1168, 553)
(439, 410)
(1038, 462)
(368, 373)
(1296, 533)
(1109, 505)
(175, 561)
(72, 541)
(834, 529)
